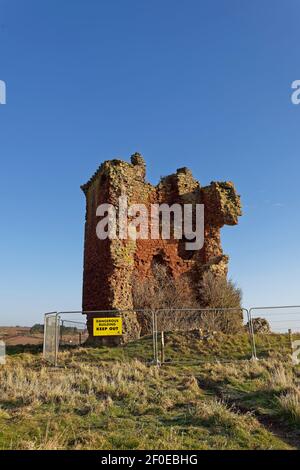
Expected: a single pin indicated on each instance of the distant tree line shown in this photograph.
(38, 328)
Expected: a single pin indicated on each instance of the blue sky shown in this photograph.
(204, 84)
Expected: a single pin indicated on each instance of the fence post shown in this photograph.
(44, 343)
(251, 329)
(291, 340)
(162, 343)
(153, 337)
(62, 330)
(56, 339)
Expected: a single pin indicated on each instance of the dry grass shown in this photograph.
(279, 377)
(89, 403)
(81, 384)
(219, 413)
(289, 403)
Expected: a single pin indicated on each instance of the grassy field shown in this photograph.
(112, 399)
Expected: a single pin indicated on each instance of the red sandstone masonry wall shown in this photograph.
(109, 264)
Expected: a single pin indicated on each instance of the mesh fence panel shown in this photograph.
(72, 332)
(164, 335)
(228, 321)
(196, 335)
(274, 329)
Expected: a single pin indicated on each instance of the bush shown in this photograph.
(216, 292)
(176, 296)
(162, 291)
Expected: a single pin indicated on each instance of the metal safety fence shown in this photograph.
(62, 329)
(72, 332)
(191, 336)
(274, 330)
(165, 335)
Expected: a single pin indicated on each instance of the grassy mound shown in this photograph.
(111, 399)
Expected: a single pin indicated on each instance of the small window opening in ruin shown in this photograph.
(159, 263)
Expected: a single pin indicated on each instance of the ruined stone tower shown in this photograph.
(109, 264)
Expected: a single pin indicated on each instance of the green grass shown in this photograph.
(111, 398)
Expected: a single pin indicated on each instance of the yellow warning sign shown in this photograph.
(107, 326)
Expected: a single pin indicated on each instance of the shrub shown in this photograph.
(162, 291)
(216, 292)
(177, 296)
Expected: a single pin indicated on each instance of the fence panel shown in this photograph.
(274, 329)
(67, 330)
(137, 341)
(198, 335)
(166, 335)
(72, 332)
(142, 348)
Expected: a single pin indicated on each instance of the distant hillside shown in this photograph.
(19, 335)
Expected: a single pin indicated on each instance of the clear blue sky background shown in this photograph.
(204, 84)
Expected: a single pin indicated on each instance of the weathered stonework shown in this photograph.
(109, 264)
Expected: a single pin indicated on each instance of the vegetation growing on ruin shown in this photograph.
(163, 292)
